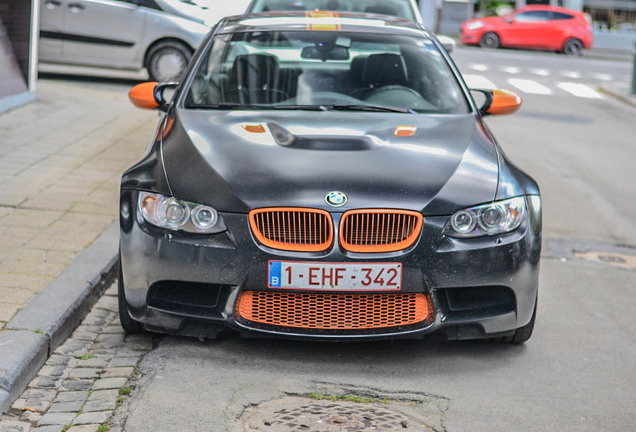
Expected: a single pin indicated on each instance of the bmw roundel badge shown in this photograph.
(336, 199)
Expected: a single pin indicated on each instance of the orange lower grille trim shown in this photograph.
(334, 311)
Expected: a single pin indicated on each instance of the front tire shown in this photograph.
(489, 40)
(573, 47)
(129, 325)
(167, 61)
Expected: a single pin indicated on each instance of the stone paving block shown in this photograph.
(114, 329)
(56, 428)
(104, 395)
(44, 382)
(54, 371)
(14, 426)
(118, 372)
(72, 396)
(76, 384)
(92, 418)
(108, 303)
(123, 361)
(32, 416)
(66, 407)
(110, 383)
(93, 362)
(84, 373)
(100, 405)
(112, 291)
(84, 428)
(30, 219)
(37, 405)
(56, 419)
(71, 346)
(112, 338)
(86, 336)
(44, 394)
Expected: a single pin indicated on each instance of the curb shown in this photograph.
(621, 96)
(49, 318)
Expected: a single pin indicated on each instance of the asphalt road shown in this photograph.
(576, 373)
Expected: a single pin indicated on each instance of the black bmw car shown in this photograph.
(327, 175)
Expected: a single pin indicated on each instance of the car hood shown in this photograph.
(240, 160)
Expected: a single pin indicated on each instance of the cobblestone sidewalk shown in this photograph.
(85, 379)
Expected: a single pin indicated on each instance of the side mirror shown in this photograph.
(508, 19)
(499, 102)
(149, 95)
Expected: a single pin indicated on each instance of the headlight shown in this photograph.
(489, 219)
(173, 214)
(474, 25)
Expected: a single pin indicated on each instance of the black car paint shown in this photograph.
(235, 175)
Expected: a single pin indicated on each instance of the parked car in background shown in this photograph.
(538, 27)
(160, 35)
(400, 8)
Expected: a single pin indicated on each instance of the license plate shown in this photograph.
(335, 276)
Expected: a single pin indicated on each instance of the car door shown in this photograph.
(527, 29)
(51, 30)
(104, 32)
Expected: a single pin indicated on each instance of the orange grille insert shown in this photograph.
(334, 311)
(294, 229)
(379, 230)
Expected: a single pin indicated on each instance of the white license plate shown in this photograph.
(335, 276)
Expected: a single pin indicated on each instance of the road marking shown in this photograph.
(602, 76)
(478, 81)
(510, 69)
(540, 72)
(579, 90)
(478, 67)
(570, 74)
(529, 86)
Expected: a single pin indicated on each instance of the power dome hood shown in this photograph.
(240, 160)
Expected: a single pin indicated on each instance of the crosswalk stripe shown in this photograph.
(602, 76)
(540, 72)
(579, 90)
(478, 81)
(529, 86)
(478, 67)
(570, 74)
(510, 69)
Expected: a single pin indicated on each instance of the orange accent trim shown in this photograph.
(394, 230)
(334, 311)
(323, 26)
(504, 102)
(292, 229)
(405, 131)
(254, 127)
(143, 95)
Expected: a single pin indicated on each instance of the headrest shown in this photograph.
(255, 71)
(384, 69)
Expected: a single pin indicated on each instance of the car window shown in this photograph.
(561, 16)
(533, 16)
(398, 8)
(289, 70)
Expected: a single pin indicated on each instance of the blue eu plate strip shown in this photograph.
(274, 274)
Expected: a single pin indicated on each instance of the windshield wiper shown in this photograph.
(375, 108)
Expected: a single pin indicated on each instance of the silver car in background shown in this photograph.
(407, 9)
(160, 35)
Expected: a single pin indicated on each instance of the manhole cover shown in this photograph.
(299, 414)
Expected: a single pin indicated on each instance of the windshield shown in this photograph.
(324, 70)
(398, 8)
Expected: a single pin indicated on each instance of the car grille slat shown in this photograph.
(334, 311)
(294, 229)
(379, 230)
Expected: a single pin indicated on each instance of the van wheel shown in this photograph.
(489, 40)
(573, 47)
(167, 61)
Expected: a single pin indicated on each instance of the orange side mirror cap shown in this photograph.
(143, 95)
(500, 102)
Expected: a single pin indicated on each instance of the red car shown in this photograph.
(540, 27)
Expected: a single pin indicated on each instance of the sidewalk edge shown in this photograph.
(52, 315)
(628, 100)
